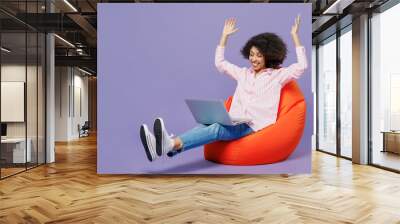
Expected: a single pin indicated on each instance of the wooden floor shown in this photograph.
(70, 191)
(5, 172)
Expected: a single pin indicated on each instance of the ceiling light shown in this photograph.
(331, 7)
(338, 6)
(5, 49)
(64, 40)
(70, 5)
(84, 71)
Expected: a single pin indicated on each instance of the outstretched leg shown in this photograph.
(206, 134)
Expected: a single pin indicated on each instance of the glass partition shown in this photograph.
(22, 77)
(14, 153)
(32, 95)
(327, 95)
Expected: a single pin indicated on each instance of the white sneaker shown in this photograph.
(164, 142)
(149, 142)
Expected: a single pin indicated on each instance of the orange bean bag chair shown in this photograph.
(272, 144)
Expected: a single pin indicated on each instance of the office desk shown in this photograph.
(391, 141)
(13, 150)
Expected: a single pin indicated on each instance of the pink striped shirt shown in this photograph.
(257, 97)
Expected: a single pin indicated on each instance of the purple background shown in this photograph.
(153, 56)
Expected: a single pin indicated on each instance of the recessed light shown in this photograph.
(64, 40)
(331, 7)
(70, 5)
(84, 71)
(5, 49)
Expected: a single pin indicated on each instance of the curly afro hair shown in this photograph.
(270, 45)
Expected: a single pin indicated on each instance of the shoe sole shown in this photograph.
(157, 129)
(144, 142)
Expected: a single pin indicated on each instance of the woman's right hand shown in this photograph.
(229, 27)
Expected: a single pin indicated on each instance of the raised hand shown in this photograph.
(294, 31)
(295, 27)
(229, 27)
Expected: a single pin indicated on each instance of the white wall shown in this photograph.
(12, 73)
(62, 80)
(71, 93)
(79, 112)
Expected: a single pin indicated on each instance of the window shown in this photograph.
(346, 92)
(385, 89)
(327, 95)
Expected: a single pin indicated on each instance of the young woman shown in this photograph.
(256, 96)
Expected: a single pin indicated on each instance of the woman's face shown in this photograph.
(257, 60)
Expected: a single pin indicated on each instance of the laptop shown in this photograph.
(212, 111)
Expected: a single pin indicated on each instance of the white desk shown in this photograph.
(18, 150)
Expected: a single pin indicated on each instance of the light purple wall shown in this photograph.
(153, 56)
